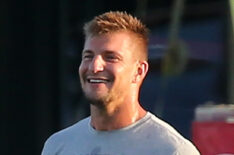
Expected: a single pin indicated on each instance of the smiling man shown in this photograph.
(113, 67)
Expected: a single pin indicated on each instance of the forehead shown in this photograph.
(117, 41)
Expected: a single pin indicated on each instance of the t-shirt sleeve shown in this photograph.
(52, 146)
(187, 149)
(48, 147)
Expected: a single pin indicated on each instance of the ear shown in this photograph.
(141, 72)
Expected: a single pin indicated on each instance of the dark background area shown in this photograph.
(40, 44)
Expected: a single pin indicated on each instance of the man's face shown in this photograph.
(108, 67)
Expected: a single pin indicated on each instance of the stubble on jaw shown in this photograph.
(111, 99)
(100, 103)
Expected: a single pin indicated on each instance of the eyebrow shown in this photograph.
(106, 52)
(109, 52)
(112, 52)
(87, 51)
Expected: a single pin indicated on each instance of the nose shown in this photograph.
(97, 64)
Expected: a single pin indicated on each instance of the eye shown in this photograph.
(111, 58)
(87, 56)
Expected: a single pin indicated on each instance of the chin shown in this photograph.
(98, 100)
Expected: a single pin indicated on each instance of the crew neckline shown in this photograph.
(131, 126)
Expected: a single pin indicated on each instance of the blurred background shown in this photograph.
(190, 55)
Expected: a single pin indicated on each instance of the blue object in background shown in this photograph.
(204, 79)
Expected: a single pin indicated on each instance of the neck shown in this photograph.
(116, 115)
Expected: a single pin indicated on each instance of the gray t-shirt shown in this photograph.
(147, 136)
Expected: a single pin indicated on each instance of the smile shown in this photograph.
(97, 80)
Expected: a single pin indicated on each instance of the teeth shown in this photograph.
(97, 81)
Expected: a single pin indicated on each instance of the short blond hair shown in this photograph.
(115, 21)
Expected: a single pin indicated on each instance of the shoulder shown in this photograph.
(186, 149)
(71, 130)
(62, 137)
(171, 137)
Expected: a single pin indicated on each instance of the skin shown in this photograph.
(111, 74)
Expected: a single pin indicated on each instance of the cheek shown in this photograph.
(81, 69)
(125, 74)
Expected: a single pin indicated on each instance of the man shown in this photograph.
(114, 65)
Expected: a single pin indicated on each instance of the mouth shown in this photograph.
(97, 80)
